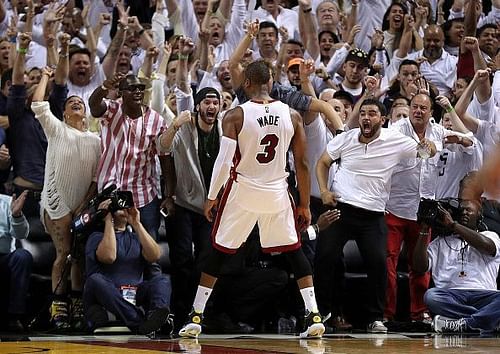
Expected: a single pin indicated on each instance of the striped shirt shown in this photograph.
(128, 153)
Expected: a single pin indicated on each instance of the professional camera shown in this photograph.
(429, 213)
(91, 216)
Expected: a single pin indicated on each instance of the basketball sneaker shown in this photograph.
(442, 324)
(314, 327)
(59, 315)
(192, 328)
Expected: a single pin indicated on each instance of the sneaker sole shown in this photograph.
(381, 331)
(191, 330)
(316, 330)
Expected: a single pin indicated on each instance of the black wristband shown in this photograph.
(307, 10)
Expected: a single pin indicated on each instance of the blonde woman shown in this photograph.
(72, 157)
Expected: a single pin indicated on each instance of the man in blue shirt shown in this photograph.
(115, 263)
(15, 264)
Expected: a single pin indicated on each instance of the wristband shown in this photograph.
(450, 109)
(423, 234)
(104, 88)
(326, 78)
(63, 55)
(307, 10)
(311, 232)
(141, 32)
(22, 50)
(183, 57)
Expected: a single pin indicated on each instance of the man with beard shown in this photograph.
(368, 156)
(440, 68)
(129, 133)
(464, 268)
(193, 143)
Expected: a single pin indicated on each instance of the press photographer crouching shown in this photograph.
(464, 263)
(115, 263)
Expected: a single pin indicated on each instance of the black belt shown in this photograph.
(35, 194)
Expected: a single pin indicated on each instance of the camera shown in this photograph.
(429, 213)
(90, 218)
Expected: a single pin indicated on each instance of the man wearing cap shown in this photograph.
(354, 67)
(293, 73)
(129, 132)
(193, 143)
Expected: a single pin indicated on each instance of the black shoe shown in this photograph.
(154, 322)
(77, 319)
(97, 317)
(313, 326)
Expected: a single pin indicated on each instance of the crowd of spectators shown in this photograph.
(132, 93)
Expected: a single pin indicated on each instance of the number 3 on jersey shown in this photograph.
(270, 141)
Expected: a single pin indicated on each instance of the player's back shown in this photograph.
(263, 143)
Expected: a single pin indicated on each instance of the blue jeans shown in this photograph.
(150, 217)
(16, 267)
(151, 295)
(479, 308)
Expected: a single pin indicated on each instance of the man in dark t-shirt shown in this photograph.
(115, 263)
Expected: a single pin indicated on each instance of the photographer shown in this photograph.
(115, 263)
(464, 268)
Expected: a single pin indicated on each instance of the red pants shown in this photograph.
(400, 230)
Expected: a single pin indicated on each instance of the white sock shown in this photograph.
(201, 298)
(309, 299)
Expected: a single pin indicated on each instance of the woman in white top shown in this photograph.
(72, 157)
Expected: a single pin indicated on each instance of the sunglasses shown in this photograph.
(133, 88)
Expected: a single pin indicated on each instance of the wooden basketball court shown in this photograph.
(245, 344)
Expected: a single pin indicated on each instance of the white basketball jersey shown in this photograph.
(263, 144)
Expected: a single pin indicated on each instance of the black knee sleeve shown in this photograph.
(215, 261)
(299, 263)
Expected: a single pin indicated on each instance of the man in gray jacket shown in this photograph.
(193, 143)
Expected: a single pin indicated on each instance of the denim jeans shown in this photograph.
(151, 295)
(479, 308)
(16, 267)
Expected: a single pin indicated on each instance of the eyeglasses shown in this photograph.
(133, 88)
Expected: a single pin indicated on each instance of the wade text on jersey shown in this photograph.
(268, 120)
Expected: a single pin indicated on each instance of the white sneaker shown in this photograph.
(190, 330)
(443, 324)
(376, 327)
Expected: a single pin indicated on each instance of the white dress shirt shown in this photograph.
(415, 178)
(364, 174)
(442, 73)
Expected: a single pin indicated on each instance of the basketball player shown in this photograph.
(256, 138)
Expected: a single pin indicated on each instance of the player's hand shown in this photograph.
(210, 209)
(303, 217)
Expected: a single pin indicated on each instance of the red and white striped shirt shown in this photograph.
(128, 149)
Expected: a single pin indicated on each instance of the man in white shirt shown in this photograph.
(464, 268)
(440, 67)
(368, 155)
(412, 179)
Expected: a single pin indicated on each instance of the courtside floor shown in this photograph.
(246, 344)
